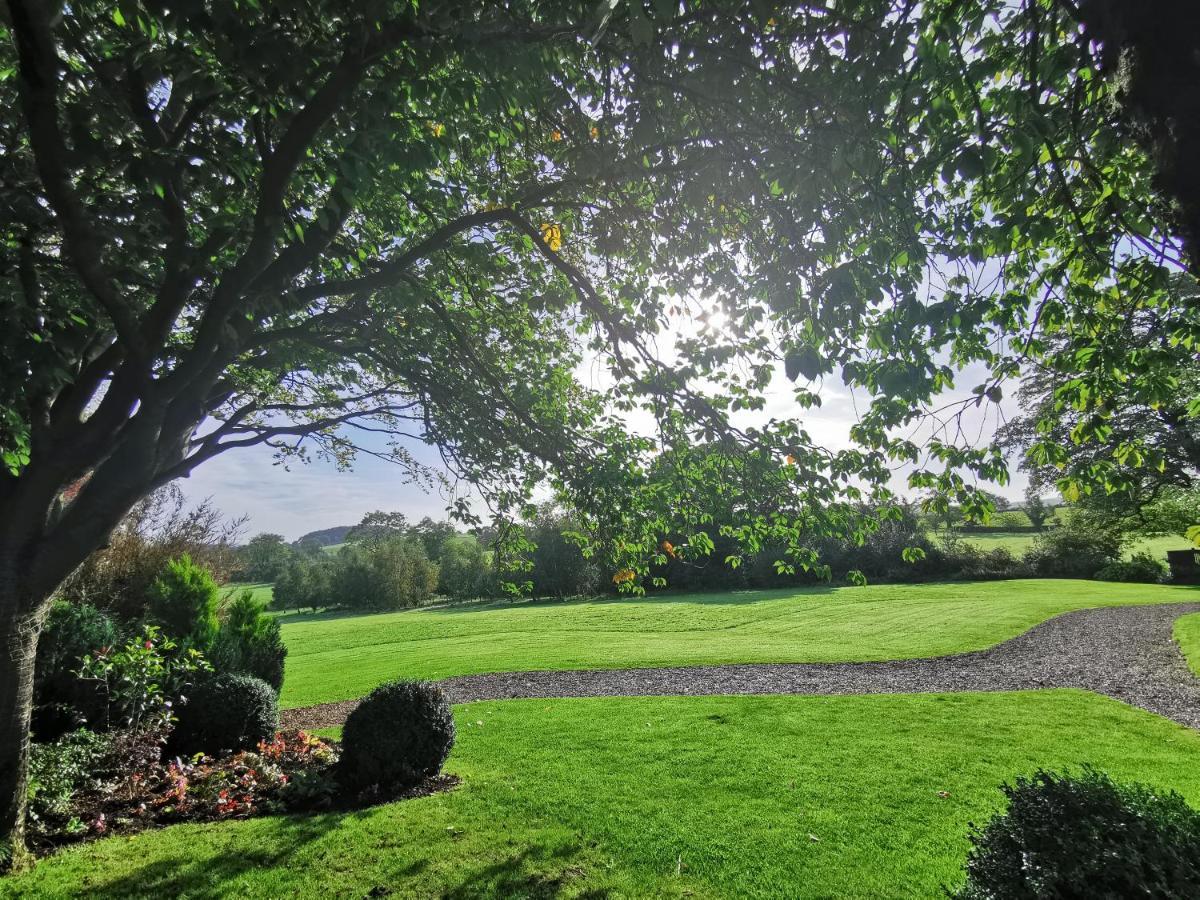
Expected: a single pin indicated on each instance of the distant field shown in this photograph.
(334, 656)
(260, 590)
(1018, 542)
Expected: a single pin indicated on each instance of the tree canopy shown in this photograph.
(297, 223)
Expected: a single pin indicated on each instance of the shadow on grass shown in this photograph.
(535, 873)
(186, 872)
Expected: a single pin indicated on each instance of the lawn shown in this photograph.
(1017, 543)
(261, 590)
(1187, 634)
(802, 797)
(342, 656)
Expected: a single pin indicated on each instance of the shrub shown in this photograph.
(1143, 567)
(249, 642)
(1072, 552)
(183, 599)
(226, 712)
(1085, 836)
(57, 772)
(61, 702)
(137, 684)
(400, 734)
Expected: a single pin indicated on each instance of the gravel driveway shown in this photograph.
(1125, 652)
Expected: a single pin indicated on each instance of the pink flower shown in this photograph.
(148, 645)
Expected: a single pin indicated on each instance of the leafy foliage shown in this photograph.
(400, 734)
(62, 703)
(184, 599)
(226, 712)
(137, 684)
(263, 557)
(1083, 835)
(1073, 551)
(1143, 567)
(463, 568)
(249, 642)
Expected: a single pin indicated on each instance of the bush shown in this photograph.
(1085, 836)
(226, 712)
(136, 684)
(249, 642)
(1072, 552)
(183, 599)
(61, 702)
(57, 772)
(399, 735)
(1144, 567)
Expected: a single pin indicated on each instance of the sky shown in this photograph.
(304, 497)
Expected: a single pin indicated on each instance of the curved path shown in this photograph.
(1125, 652)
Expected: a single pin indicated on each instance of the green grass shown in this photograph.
(799, 797)
(339, 656)
(1018, 542)
(1187, 634)
(261, 590)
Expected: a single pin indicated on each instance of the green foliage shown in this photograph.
(558, 568)
(1035, 508)
(463, 568)
(1083, 835)
(263, 557)
(1073, 551)
(184, 599)
(225, 712)
(1143, 567)
(57, 771)
(139, 682)
(72, 631)
(249, 642)
(401, 733)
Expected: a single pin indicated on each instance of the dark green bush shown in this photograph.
(400, 734)
(61, 702)
(1143, 567)
(225, 712)
(1085, 836)
(249, 642)
(184, 600)
(1072, 552)
(58, 770)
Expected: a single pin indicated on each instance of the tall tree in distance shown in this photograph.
(299, 223)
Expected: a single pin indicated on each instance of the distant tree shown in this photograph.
(559, 566)
(464, 571)
(264, 556)
(378, 526)
(433, 534)
(1036, 508)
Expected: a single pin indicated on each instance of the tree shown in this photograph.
(264, 557)
(463, 570)
(233, 224)
(1142, 440)
(1036, 508)
(378, 526)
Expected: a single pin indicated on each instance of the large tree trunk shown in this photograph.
(19, 626)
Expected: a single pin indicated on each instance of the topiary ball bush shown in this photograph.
(225, 712)
(398, 736)
(1081, 836)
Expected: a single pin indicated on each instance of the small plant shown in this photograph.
(57, 772)
(1084, 835)
(184, 600)
(139, 681)
(226, 712)
(249, 642)
(1073, 551)
(1141, 567)
(398, 736)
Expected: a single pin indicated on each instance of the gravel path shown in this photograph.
(1125, 652)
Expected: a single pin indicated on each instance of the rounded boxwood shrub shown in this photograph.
(1083, 835)
(225, 712)
(400, 734)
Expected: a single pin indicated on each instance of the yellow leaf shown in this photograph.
(552, 235)
(595, 132)
(556, 135)
(437, 129)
